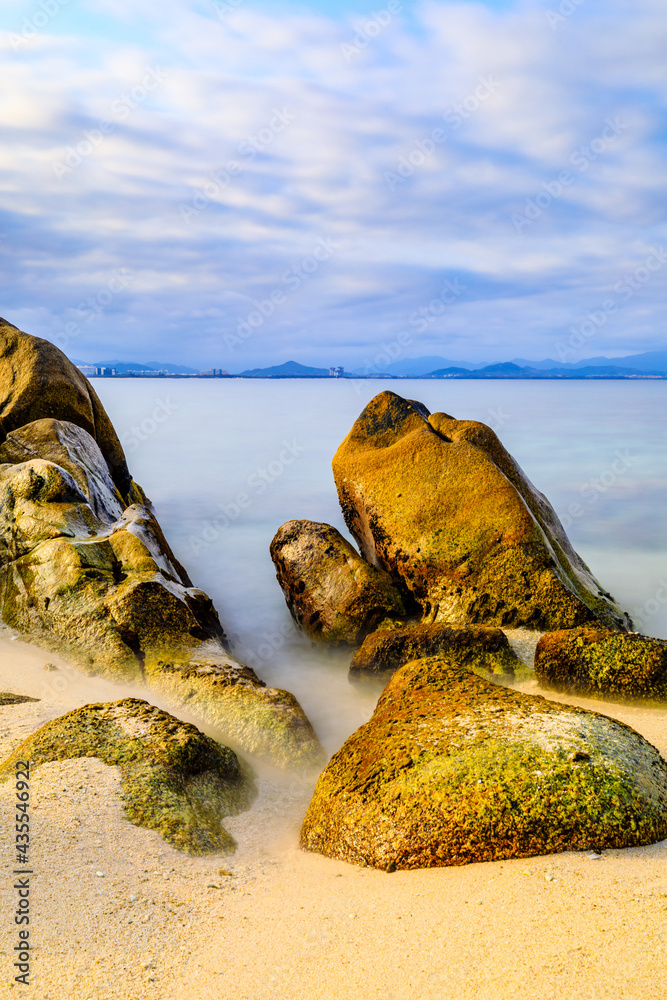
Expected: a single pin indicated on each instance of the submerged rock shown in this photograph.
(333, 594)
(265, 722)
(174, 779)
(452, 769)
(476, 647)
(445, 509)
(598, 661)
(85, 569)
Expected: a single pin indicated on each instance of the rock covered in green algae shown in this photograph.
(452, 769)
(443, 507)
(104, 592)
(477, 647)
(334, 595)
(598, 661)
(86, 570)
(175, 779)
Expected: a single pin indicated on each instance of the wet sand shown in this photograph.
(272, 922)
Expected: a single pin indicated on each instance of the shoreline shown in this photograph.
(272, 921)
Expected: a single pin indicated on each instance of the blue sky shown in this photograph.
(237, 183)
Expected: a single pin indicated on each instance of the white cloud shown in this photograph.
(513, 100)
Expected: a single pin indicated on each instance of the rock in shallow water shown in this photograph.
(174, 779)
(597, 661)
(445, 509)
(333, 594)
(452, 769)
(475, 647)
(86, 570)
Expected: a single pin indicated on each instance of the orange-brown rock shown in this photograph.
(333, 594)
(476, 647)
(452, 769)
(443, 507)
(600, 662)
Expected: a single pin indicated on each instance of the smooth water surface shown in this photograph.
(226, 462)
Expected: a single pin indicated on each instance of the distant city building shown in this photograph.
(214, 373)
(336, 372)
(105, 372)
(87, 369)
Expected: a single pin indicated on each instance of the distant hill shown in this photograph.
(507, 369)
(510, 370)
(420, 366)
(650, 361)
(449, 373)
(291, 369)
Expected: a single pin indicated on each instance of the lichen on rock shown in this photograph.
(477, 647)
(447, 512)
(174, 779)
(333, 595)
(452, 769)
(38, 381)
(86, 571)
(600, 662)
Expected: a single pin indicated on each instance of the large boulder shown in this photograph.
(477, 647)
(333, 594)
(72, 449)
(91, 576)
(442, 506)
(174, 779)
(452, 769)
(37, 380)
(600, 662)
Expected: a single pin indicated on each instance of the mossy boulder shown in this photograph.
(445, 509)
(452, 769)
(105, 592)
(477, 647)
(174, 779)
(333, 595)
(601, 662)
(37, 380)
(86, 571)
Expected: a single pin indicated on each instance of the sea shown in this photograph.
(227, 461)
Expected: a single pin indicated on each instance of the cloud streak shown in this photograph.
(313, 136)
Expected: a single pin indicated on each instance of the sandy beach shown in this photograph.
(120, 915)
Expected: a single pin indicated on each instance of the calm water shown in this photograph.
(227, 462)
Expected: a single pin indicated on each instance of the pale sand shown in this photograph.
(284, 924)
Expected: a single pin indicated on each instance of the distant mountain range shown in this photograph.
(650, 361)
(509, 370)
(651, 364)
